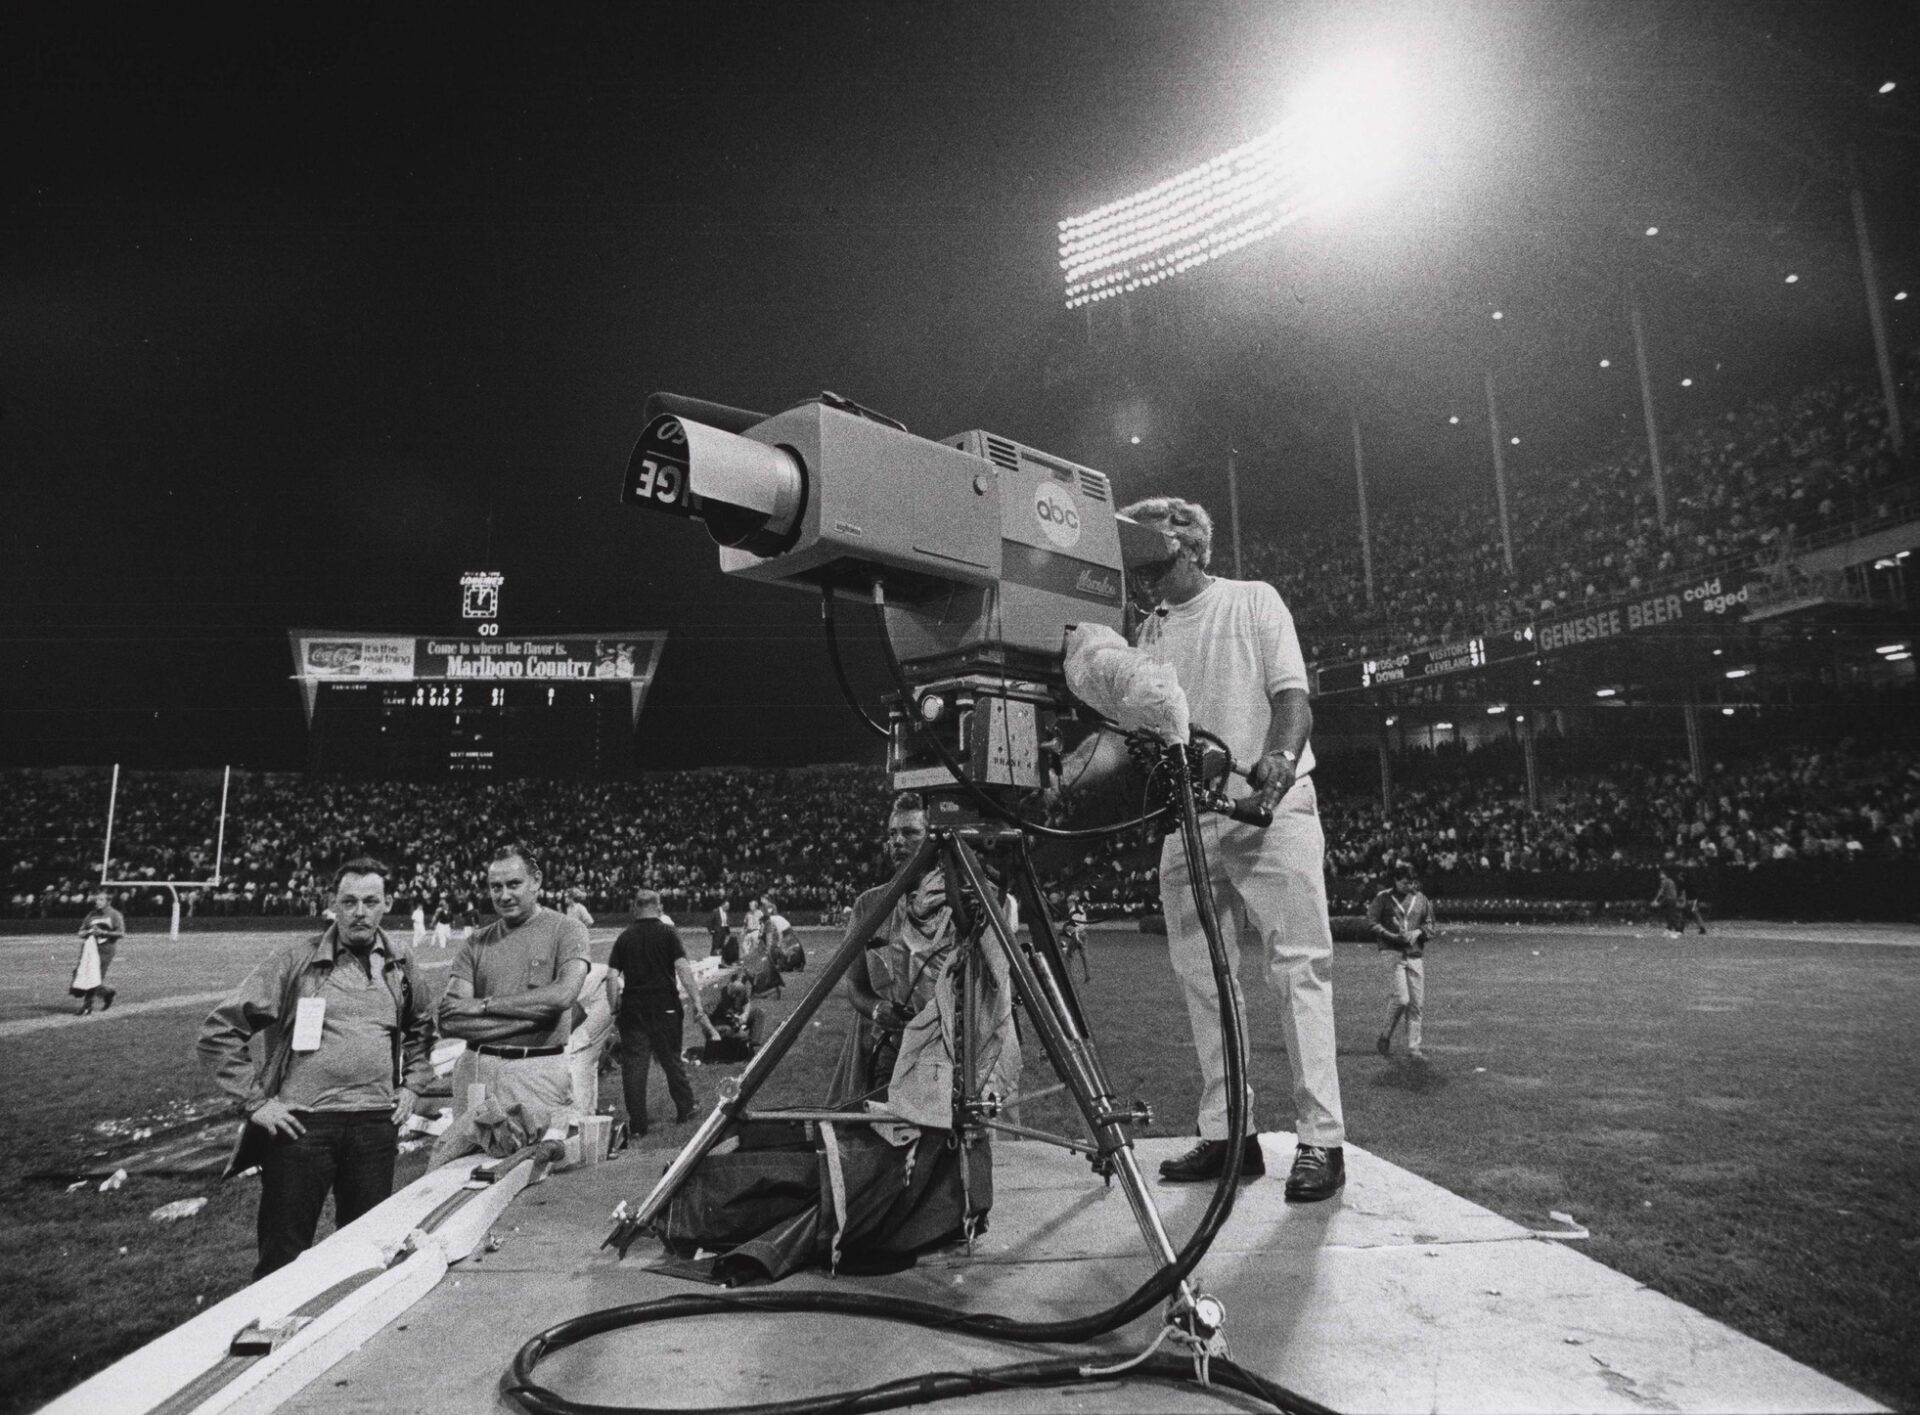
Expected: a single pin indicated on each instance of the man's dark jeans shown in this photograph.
(650, 1030)
(350, 1153)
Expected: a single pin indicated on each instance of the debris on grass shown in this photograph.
(113, 1181)
(178, 1209)
(1573, 1231)
(171, 1116)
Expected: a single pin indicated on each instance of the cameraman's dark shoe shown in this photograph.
(1319, 1172)
(1208, 1161)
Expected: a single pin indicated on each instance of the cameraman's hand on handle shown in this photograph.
(1272, 777)
(1248, 811)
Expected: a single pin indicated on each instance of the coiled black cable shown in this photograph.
(537, 1398)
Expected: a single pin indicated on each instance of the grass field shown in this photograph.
(1732, 1117)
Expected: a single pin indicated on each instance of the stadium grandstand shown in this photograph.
(1776, 786)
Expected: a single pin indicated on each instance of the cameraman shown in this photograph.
(1233, 647)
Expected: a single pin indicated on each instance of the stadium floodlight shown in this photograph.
(1341, 140)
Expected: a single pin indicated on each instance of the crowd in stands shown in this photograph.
(809, 838)
(812, 839)
(1470, 817)
(1743, 488)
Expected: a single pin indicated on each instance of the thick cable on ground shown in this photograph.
(945, 1385)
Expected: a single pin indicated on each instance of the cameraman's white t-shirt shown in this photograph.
(1232, 646)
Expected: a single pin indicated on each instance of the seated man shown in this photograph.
(899, 1050)
(763, 1205)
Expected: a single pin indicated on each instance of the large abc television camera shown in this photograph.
(981, 552)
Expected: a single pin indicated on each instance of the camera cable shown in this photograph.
(1221, 1371)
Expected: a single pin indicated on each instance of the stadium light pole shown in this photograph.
(1233, 508)
(1360, 491)
(1646, 402)
(1499, 475)
(1876, 317)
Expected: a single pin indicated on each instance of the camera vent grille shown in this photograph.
(1003, 453)
(1095, 486)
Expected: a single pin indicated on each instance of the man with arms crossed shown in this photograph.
(511, 993)
(1233, 647)
(348, 1051)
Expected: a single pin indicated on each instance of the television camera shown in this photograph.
(982, 552)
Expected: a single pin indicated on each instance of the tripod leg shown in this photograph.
(1070, 1050)
(734, 1099)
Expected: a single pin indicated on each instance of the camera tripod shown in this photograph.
(1041, 985)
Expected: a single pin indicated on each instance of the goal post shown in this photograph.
(172, 886)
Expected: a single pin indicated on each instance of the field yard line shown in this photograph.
(136, 1009)
(1865, 935)
(127, 1009)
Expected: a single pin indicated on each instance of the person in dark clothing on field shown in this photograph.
(1689, 903)
(1666, 898)
(650, 973)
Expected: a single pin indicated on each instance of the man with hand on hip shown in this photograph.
(348, 1052)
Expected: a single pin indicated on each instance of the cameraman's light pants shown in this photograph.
(1269, 889)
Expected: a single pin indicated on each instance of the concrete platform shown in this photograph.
(1401, 1296)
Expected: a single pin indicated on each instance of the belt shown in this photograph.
(517, 1053)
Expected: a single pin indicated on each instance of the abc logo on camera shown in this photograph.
(1059, 517)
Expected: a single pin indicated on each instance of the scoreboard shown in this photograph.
(425, 707)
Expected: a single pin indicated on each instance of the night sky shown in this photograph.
(304, 314)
